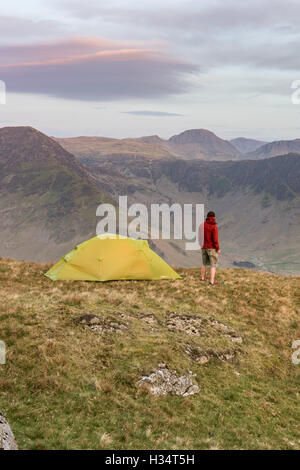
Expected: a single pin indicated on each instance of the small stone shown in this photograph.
(202, 359)
(191, 391)
(226, 357)
(236, 339)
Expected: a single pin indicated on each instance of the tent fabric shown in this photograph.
(111, 257)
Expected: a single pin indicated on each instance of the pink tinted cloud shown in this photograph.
(93, 69)
(66, 48)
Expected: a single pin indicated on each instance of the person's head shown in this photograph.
(211, 214)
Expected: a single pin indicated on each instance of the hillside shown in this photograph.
(275, 148)
(236, 339)
(256, 202)
(48, 200)
(244, 145)
(97, 147)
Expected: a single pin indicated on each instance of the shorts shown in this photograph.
(210, 257)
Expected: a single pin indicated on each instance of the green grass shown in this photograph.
(67, 387)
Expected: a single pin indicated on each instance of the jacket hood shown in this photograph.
(211, 220)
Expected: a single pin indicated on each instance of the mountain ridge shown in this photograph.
(191, 144)
(48, 199)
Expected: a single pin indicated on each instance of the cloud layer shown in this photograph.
(94, 69)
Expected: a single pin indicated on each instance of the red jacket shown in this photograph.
(208, 234)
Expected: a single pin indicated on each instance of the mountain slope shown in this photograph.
(48, 200)
(26, 144)
(280, 147)
(153, 139)
(244, 145)
(74, 385)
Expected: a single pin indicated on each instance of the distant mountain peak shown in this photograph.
(203, 144)
(193, 136)
(246, 145)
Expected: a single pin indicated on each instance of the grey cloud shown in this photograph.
(192, 14)
(151, 113)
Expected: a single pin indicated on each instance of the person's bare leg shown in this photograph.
(203, 273)
(212, 275)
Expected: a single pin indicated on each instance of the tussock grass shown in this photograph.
(65, 386)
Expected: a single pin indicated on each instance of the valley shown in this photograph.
(49, 197)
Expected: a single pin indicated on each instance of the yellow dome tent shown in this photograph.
(111, 257)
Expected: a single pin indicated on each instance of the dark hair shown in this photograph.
(211, 214)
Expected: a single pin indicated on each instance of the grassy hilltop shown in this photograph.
(66, 385)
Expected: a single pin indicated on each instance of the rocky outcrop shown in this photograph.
(102, 325)
(163, 381)
(202, 357)
(7, 440)
(198, 325)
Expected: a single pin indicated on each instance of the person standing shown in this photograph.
(209, 242)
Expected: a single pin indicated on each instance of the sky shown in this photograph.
(133, 68)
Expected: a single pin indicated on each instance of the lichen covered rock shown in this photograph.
(163, 381)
